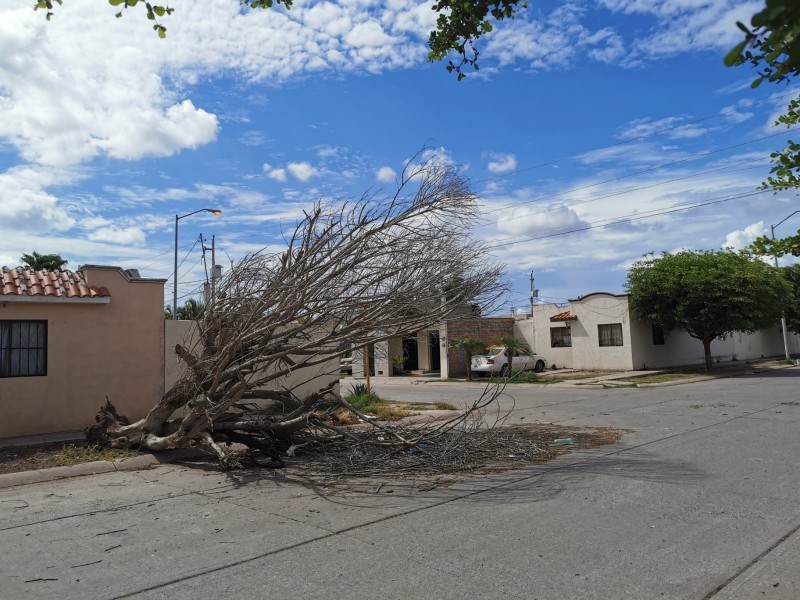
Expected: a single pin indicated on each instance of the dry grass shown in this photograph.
(30, 458)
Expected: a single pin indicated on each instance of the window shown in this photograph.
(560, 337)
(23, 348)
(658, 336)
(610, 335)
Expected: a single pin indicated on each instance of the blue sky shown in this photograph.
(583, 114)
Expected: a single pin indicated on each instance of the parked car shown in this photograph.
(496, 361)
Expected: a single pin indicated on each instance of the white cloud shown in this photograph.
(276, 174)
(502, 163)
(253, 138)
(742, 238)
(670, 127)
(302, 170)
(386, 175)
(24, 203)
(128, 235)
(532, 220)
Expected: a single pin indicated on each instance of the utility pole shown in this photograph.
(534, 294)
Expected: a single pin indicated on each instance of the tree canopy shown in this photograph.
(471, 347)
(708, 294)
(771, 44)
(37, 262)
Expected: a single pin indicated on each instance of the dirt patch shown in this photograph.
(57, 454)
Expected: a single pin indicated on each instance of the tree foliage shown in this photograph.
(792, 309)
(37, 262)
(771, 44)
(353, 274)
(708, 294)
(470, 347)
(514, 347)
(458, 24)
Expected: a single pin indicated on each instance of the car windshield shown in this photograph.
(495, 351)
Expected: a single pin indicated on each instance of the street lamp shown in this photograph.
(783, 314)
(213, 211)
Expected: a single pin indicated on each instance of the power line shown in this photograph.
(627, 219)
(647, 170)
(618, 193)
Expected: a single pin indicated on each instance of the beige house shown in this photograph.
(596, 332)
(69, 340)
(427, 352)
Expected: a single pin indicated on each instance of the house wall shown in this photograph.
(536, 331)
(600, 309)
(488, 329)
(94, 352)
(302, 381)
(680, 349)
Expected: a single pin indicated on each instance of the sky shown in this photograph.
(595, 132)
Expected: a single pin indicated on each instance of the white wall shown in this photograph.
(600, 309)
(536, 331)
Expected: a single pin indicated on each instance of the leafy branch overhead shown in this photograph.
(772, 45)
(458, 24)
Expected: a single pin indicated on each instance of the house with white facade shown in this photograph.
(596, 332)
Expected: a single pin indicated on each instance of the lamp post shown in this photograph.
(213, 211)
(783, 314)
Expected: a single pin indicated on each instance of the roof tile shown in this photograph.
(69, 284)
(564, 316)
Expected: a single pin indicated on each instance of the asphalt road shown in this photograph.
(699, 500)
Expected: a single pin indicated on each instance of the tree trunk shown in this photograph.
(469, 366)
(707, 352)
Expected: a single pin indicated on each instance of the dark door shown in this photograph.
(410, 354)
(433, 343)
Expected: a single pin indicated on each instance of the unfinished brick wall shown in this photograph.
(488, 329)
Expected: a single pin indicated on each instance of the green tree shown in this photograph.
(37, 262)
(458, 24)
(708, 294)
(191, 310)
(514, 347)
(471, 347)
(792, 309)
(771, 44)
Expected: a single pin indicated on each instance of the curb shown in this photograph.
(133, 463)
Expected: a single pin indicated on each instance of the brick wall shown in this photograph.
(488, 329)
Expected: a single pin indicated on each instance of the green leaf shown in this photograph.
(115, 2)
(159, 10)
(133, 2)
(162, 32)
(756, 83)
(732, 57)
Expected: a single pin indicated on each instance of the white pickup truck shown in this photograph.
(496, 361)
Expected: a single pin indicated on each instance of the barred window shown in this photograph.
(23, 348)
(560, 337)
(610, 335)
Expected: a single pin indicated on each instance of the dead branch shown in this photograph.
(352, 274)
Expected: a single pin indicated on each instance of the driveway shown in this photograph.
(699, 500)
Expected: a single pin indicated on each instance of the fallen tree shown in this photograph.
(352, 274)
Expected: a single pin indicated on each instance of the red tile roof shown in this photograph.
(56, 284)
(564, 316)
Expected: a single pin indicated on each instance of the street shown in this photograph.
(699, 499)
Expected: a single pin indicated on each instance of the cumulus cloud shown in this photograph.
(276, 174)
(386, 175)
(302, 170)
(532, 220)
(127, 235)
(502, 163)
(25, 204)
(742, 238)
